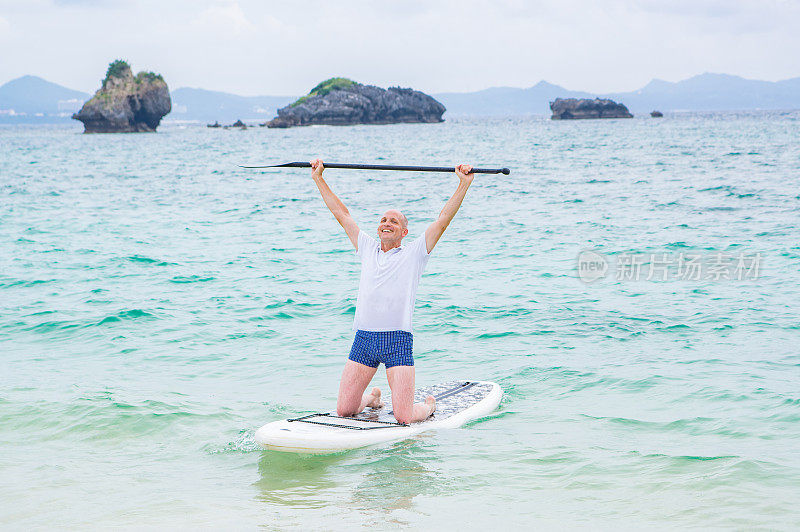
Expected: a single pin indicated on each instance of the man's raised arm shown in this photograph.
(436, 229)
(335, 205)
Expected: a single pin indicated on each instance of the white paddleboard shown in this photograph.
(457, 402)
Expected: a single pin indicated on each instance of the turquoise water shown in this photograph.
(159, 304)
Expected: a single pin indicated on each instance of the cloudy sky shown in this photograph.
(285, 47)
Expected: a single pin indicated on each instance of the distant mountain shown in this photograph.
(33, 99)
(712, 92)
(706, 92)
(211, 106)
(504, 101)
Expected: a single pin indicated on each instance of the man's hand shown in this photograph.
(317, 168)
(464, 173)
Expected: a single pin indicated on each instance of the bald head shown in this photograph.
(393, 226)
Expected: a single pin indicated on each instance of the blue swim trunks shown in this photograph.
(393, 348)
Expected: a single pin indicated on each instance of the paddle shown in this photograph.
(505, 171)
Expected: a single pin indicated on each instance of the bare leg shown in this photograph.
(355, 379)
(401, 381)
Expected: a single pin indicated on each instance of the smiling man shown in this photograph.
(390, 273)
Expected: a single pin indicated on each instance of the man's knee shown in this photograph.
(404, 411)
(345, 409)
(403, 418)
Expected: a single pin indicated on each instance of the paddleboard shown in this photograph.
(457, 402)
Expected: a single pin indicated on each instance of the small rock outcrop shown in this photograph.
(656, 114)
(236, 125)
(342, 102)
(126, 104)
(575, 109)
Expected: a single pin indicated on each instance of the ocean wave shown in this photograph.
(141, 259)
(103, 417)
(184, 279)
(125, 315)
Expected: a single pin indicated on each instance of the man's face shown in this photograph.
(392, 227)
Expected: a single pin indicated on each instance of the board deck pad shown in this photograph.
(457, 402)
(451, 398)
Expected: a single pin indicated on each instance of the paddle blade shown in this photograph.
(284, 165)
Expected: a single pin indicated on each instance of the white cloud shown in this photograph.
(5, 28)
(225, 16)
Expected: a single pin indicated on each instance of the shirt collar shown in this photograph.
(391, 251)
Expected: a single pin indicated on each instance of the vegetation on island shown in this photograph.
(116, 69)
(148, 76)
(325, 87)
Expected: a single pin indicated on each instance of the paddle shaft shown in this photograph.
(386, 167)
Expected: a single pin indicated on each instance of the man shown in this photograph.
(390, 274)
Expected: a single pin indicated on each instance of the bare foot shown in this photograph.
(375, 398)
(431, 402)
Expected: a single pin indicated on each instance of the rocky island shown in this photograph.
(575, 109)
(343, 102)
(126, 104)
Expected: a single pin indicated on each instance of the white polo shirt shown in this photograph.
(387, 290)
